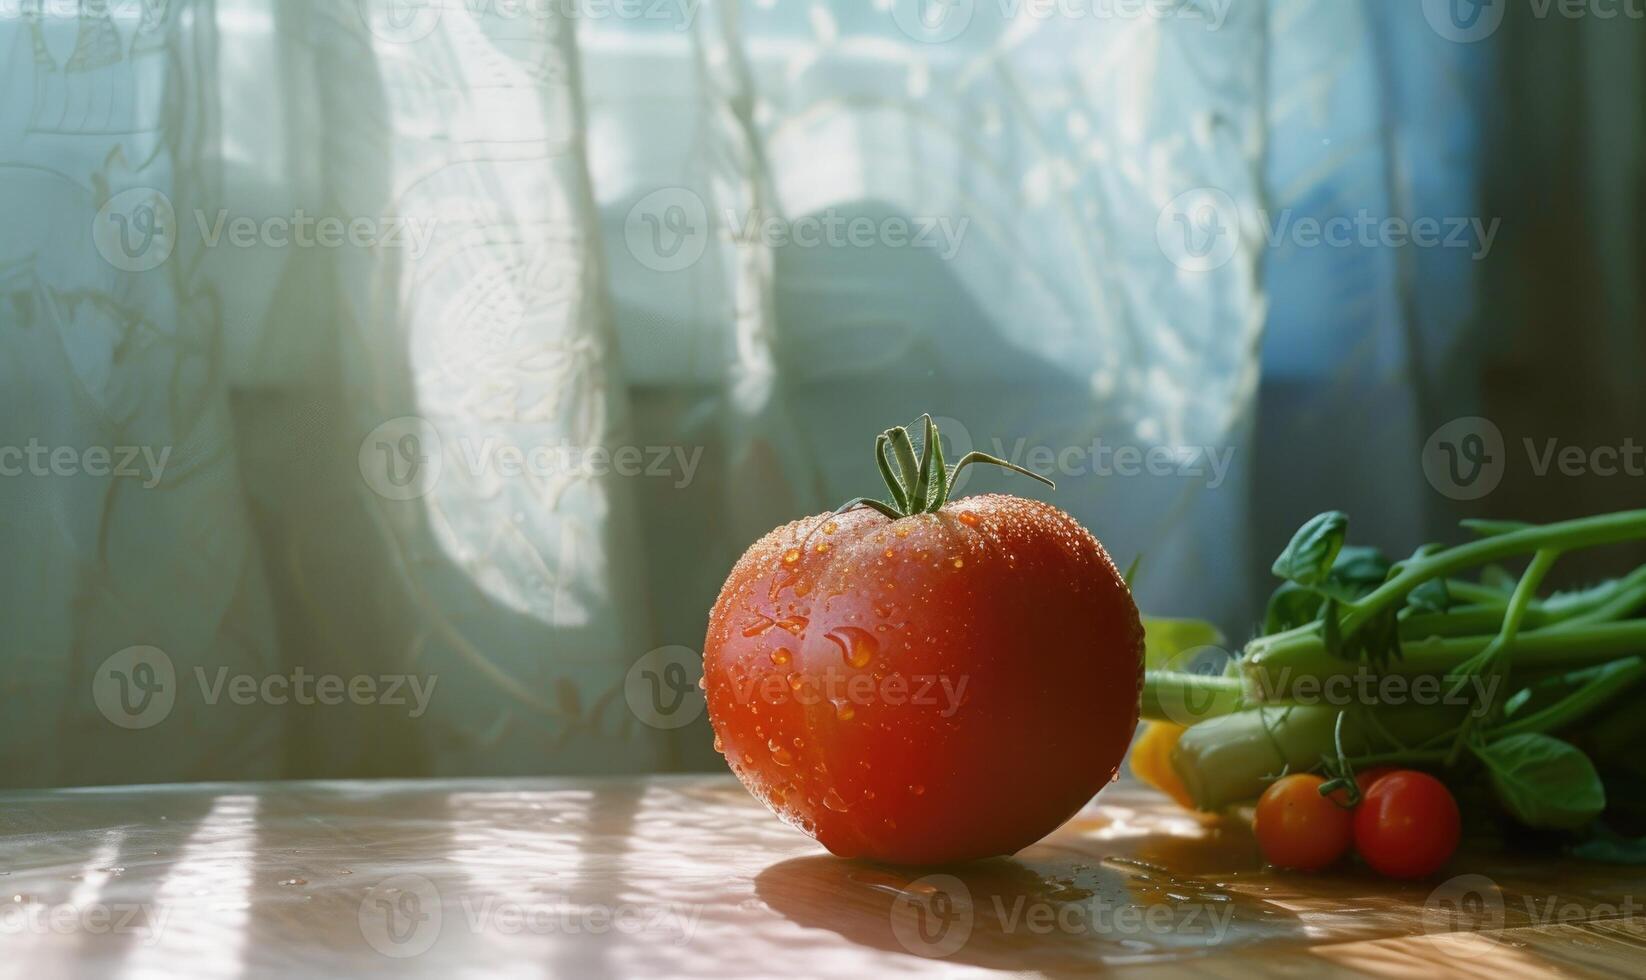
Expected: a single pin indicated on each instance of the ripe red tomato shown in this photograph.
(1364, 780)
(1298, 828)
(1408, 825)
(939, 687)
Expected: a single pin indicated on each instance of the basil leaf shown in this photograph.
(1355, 572)
(1360, 565)
(1544, 782)
(1291, 605)
(1431, 596)
(1308, 558)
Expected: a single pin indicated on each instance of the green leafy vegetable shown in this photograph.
(1309, 556)
(1543, 781)
(1540, 690)
(1354, 572)
(1291, 606)
(1431, 596)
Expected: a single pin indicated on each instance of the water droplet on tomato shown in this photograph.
(795, 625)
(833, 801)
(830, 527)
(780, 755)
(719, 744)
(969, 519)
(917, 789)
(796, 682)
(958, 562)
(759, 626)
(822, 548)
(781, 656)
(858, 646)
(844, 711)
(791, 556)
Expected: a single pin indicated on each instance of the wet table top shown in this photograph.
(689, 877)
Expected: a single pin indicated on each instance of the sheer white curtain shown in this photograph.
(584, 230)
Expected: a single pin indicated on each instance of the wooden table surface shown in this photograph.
(689, 877)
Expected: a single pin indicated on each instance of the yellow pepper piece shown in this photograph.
(1152, 760)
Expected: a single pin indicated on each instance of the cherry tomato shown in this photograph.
(1366, 778)
(934, 688)
(1408, 825)
(1298, 828)
(1151, 760)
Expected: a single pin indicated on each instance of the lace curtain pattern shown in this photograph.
(482, 337)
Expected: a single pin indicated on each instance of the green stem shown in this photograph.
(1464, 621)
(1614, 600)
(1277, 668)
(921, 485)
(1516, 611)
(1491, 661)
(1615, 679)
(1621, 605)
(1584, 532)
(1476, 593)
(1629, 525)
(1183, 699)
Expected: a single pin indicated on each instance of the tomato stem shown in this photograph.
(921, 484)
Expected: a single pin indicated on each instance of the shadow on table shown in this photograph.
(1021, 914)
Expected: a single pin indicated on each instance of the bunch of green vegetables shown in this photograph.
(1444, 661)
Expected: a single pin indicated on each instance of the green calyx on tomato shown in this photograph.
(924, 484)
